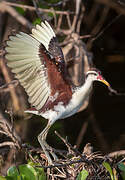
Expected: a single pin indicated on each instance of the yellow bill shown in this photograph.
(105, 82)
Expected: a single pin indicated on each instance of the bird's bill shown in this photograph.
(105, 82)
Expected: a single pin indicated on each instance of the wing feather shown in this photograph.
(24, 60)
(43, 31)
(47, 30)
(32, 99)
(31, 58)
(50, 29)
(15, 49)
(40, 104)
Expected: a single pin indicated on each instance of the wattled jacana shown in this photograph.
(38, 63)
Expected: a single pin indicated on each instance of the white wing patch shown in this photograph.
(24, 60)
(43, 33)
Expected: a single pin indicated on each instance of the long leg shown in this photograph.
(42, 140)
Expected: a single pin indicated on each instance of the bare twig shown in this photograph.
(68, 20)
(98, 133)
(120, 9)
(54, 4)
(63, 165)
(59, 22)
(116, 153)
(78, 2)
(6, 7)
(8, 80)
(37, 10)
(98, 26)
(91, 16)
(40, 9)
(80, 19)
(7, 87)
(54, 15)
(81, 134)
(6, 129)
(70, 146)
(7, 143)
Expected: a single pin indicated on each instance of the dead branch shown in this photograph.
(6, 87)
(81, 134)
(70, 147)
(116, 153)
(40, 9)
(98, 26)
(8, 80)
(120, 9)
(98, 133)
(7, 129)
(7, 8)
(63, 165)
(7, 143)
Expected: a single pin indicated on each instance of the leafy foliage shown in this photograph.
(114, 172)
(121, 167)
(82, 175)
(109, 169)
(24, 172)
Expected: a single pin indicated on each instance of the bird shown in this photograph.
(38, 63)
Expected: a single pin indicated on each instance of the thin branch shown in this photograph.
(98, 133)
(81, 134)
(8, 80)
(40, 9)
(62, 165)
(7, 130)
(37, 10)
(7, 143)
(6, 7)
(78, 2)
(6, 87)
(116, 153)
(120, 9)
(98, 26)
(80, 20)
(54, 4)
(59, 22)
(68, 20)
(71, 147)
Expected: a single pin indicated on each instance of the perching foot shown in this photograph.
(48, 150)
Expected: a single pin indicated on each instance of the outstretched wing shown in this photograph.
(46, 36)
(29, 57)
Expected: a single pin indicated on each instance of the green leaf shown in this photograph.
(40, 173)
(109, 169)
(82, 175)
(10, 178)
(121, 166)
(28, 172)
(13, 172)
(2, 178)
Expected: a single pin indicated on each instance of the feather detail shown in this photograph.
(43, 34)
(24, 60)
